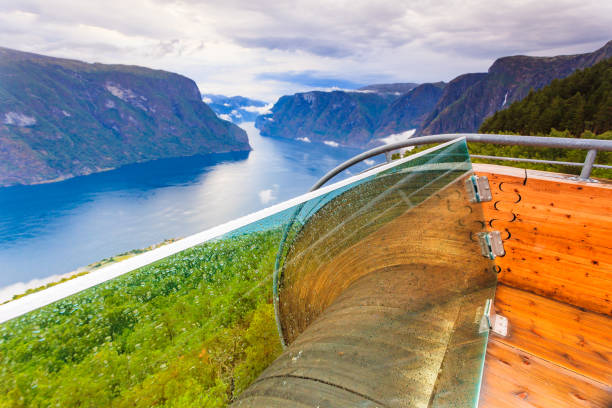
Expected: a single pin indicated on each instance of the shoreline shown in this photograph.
(21, 289)
(106, 169)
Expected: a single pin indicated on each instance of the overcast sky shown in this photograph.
(264, 49)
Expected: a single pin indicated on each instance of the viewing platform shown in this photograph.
(427, 281)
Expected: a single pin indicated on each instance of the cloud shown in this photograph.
(331, 143)
(262, 110)
(303, 139)
(267, 48)
(369, 162)
(310, 79)
(323, 48)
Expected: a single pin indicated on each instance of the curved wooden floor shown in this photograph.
(367, 306)
(381, 308)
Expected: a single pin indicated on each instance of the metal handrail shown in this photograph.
(592, 145)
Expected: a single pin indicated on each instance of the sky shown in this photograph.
(264, 49)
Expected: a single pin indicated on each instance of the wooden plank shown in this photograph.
(515, 379)
(578, 340)
(558, 235)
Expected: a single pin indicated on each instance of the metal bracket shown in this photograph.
(478, 189)
(491, 244)
(498, 324)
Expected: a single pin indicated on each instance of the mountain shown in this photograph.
(471, 98)
(350, 118)
(578, 103)
(62, 118)
(236, 109)
(353, 119)
(346, 117)
(410, 110)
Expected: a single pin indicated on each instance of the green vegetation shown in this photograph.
(581, 102)
(577, 156)
(64, 118)
(193, 329)
(579, 105)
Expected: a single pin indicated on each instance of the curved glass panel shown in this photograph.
(380, 289)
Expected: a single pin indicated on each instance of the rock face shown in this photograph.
(360, 118)
(410, 110)
(347, 118)
(471, 98)
(62, 118)
(350, 118)
(236, 109)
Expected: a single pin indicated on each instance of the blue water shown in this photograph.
(55, 228)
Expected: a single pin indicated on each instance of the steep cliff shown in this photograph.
(347, 118)
(351, 118)
(471, 98)
(62, 118)
(410, 110)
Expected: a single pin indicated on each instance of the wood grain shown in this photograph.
(578, 340)
(515, 379)
(557, 235)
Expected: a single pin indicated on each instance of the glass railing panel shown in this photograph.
(197, 327)
(381, 293)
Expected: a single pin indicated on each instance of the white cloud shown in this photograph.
(331, 143)
(206, 100)
(225, 46)
(261, 110)
(303, 139)
(225, 116)
(369, 162)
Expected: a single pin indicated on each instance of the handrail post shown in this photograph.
(588, 164)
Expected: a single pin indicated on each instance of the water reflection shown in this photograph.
(55, 228)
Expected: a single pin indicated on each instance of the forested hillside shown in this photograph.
(577, 106)
(192, 330)
(580, 102)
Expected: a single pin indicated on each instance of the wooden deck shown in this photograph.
(354, 297)
(555, 287)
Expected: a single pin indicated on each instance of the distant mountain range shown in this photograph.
(351, 118)
(362, 117)
(344, 117)
(236, 109)
(62, 118)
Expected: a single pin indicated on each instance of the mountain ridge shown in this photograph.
(350, 118)
(459, 106)
(509, 79)
(61, 118)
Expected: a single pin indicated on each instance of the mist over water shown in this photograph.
(55, 228)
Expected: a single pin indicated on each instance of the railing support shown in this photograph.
(510, 140)
(588, 164)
